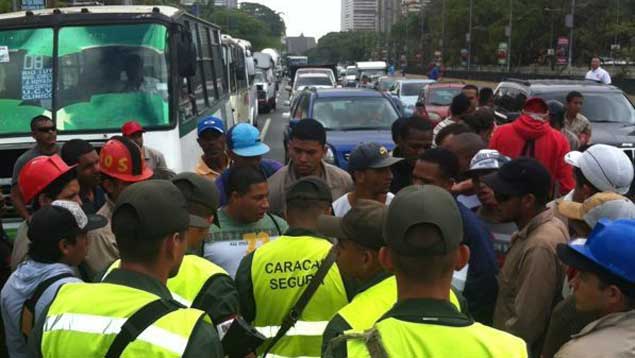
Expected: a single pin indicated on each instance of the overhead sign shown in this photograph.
(32, 5)
(562, 50)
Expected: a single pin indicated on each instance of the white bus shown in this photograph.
(91, 69)
(241, 71)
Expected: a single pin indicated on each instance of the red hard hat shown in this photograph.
(38, 173)
(130, 128)
(122, 159)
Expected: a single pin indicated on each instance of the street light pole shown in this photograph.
(469, 39)
(443, 19)
(509, 36)
(571, 33)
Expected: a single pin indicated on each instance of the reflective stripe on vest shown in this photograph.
(280, 271)
(408, 339)
(370, 305)
(84, 319)
(194, 272)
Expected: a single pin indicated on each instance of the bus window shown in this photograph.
(241, 72)
(26, 77)
(219, 66)
(208, 65)
(197, 79)
(111, 74)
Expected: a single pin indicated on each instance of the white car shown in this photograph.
(311, 79)
(350, 77)
(407, 91)
(326, 71)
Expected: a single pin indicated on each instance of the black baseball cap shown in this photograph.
(61, 220)
(158, 209)
(201, 196)
(423, 204)
(370, 156)
(520, 177)
(362, 224)
(310, 188)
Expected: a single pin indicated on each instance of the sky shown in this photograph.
(312, 17)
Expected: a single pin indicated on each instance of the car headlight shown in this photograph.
(434, 116)
(329, 157)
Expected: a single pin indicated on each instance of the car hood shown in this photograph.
(409, 100)
(615, 134)
(345, 141)
(440, 110)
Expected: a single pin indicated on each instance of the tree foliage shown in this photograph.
(275, 24)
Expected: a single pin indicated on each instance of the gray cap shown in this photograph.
(486, 160)
(427, 204)
(370, 156)
(606, 167)
(362, 224)
(310, 188)
(150, 210)
(201, 196)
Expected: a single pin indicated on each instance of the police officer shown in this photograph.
(271, 279)
(132, 313)
(121, 164)
(359, 235)
(423, 233)
(200, 283)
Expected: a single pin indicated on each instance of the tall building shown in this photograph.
(359, 15)
(388, 13)
(226, 3)
(298, 45)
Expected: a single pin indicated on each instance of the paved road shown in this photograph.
(275, 128)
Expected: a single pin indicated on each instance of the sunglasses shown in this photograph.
(47, 129)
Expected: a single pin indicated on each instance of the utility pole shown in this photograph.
(509, 35)
(443, 20)
(571, 33)
(469, 39)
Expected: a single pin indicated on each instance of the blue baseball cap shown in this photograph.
(608, 251)
(211, 122)
(244, 140)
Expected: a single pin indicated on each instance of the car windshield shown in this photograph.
(374, 73)
(106, 75)
(411, 88)
(354, 113)
(442, 96)
(386, 84)
(602, 106)
(260, 77)
(351, 72)
(314, 81)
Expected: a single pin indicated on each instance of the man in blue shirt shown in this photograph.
(439, 167)
(245, 148)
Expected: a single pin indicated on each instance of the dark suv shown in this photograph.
(611, 113)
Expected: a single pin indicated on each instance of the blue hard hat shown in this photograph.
(611, 246)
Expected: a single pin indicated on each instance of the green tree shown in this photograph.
(272, 19)
(239, 24)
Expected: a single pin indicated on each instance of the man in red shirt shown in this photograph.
(531, 136)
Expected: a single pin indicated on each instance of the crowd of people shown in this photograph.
(469, 239)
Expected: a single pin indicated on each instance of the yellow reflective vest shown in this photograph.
(280, 272)
(448, 334)
(194, 273)
(84, 319)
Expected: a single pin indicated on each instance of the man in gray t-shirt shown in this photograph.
(44, 132)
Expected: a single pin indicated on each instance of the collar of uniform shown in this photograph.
(373, 281)
(538, 220)
(428, 311)
(611, 320)
(139, 281)
(203, 169)
(298, 231)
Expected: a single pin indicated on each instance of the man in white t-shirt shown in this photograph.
(597, 73)
(369, 165)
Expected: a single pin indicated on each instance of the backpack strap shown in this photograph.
(27, 321)
(138, 322)
(275, 222)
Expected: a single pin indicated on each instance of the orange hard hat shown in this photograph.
(40, 172)
(122, 159)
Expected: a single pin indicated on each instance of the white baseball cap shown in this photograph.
(606, 167)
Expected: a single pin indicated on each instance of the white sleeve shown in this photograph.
(607, 78)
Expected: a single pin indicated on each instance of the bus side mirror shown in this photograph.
(187, 55)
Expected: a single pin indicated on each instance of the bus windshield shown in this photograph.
(106, 75)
